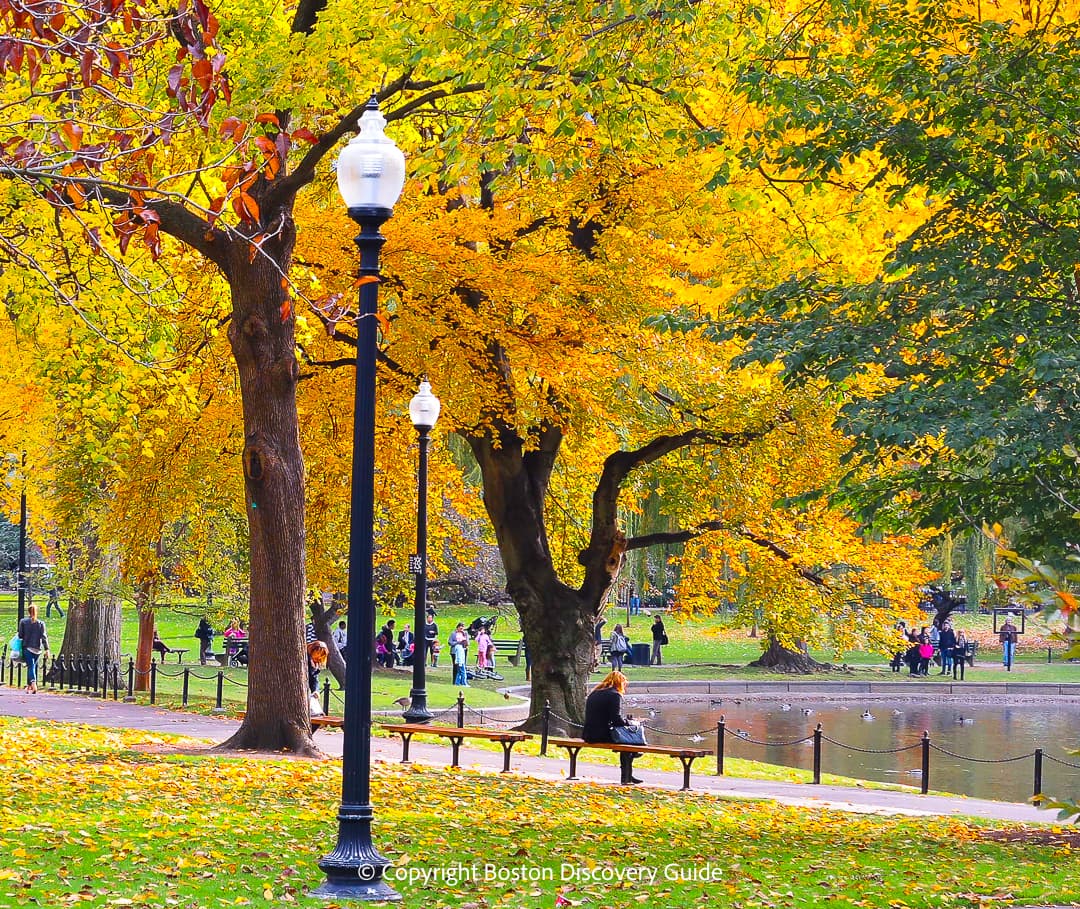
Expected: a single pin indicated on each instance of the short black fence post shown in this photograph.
(104, 678)
(1049, 654)
(220, 687)
(720, 746)
(78, 672)
(94, 675)
(153, 681)
(460, 709)
(817, 755)
(116, 680)
(11, 674)
(130, 696)
(184, 695)
(19, 674)
(545, 727)
(326, 697)
(925, 762)
(1038, 772)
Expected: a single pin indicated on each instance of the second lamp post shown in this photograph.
(424, 412)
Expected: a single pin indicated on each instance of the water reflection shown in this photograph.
(989, 735)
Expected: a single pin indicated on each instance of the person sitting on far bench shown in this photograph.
(159, 647)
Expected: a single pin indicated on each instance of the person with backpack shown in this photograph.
(205, 635)
(619, 647)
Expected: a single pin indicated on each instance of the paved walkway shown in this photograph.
(77, 708)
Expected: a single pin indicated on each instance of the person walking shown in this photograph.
(205, 635)
(34, 641)
(1008, 637)
(618, 648)
(603, 711)
(659, 639)
(53, 603)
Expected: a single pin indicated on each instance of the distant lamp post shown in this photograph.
(424, 413)
(371, 174)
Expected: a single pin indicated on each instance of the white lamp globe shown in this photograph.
(424, 407)
(371, 168)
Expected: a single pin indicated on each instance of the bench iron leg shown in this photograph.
(406, 737)
(507, 747)
(687, 763)
(455, 743)
(573, 762)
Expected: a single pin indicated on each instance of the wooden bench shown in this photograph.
(512, 647)
(686, 755)
(317, 722)
(456, 734)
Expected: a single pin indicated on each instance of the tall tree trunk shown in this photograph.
(144, 650)
(779, 659)
(94, 615)
(557, 622)
(93, 627)
(261, 335)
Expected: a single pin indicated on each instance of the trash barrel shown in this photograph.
(639, 654)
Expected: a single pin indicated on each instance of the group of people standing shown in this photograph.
(945, 644)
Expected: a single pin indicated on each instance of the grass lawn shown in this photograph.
(105, 818)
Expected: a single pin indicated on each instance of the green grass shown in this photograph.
(106, 818)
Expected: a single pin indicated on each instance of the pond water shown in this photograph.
(989, 732)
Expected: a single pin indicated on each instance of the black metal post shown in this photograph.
(1038, 772)
(116, 681)
(20, 581)
(184, 695)
(94, 671)
(79, 660)
(153, 681)
(925, 762)
(1049, 654)
(460, 709)
(130, 696)
(355, 868)
(720, 746)
(418, 710)
(19, 673)
(545, 727)
(817, 755)
(220, 689)
(326, 697)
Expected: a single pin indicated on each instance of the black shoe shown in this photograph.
(633, 781)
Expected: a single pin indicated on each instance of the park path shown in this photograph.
(79, 708)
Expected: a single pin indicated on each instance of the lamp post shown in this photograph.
(424, 413)
(371, 173)
(22, 577)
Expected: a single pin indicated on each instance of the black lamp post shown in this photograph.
(22, 577)
(371, 173)
(424, 412)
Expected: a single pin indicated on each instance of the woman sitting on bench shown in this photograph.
(602, 712)
(159, 646)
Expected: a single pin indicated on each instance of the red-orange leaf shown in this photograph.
(268, 118)
(73, 133)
